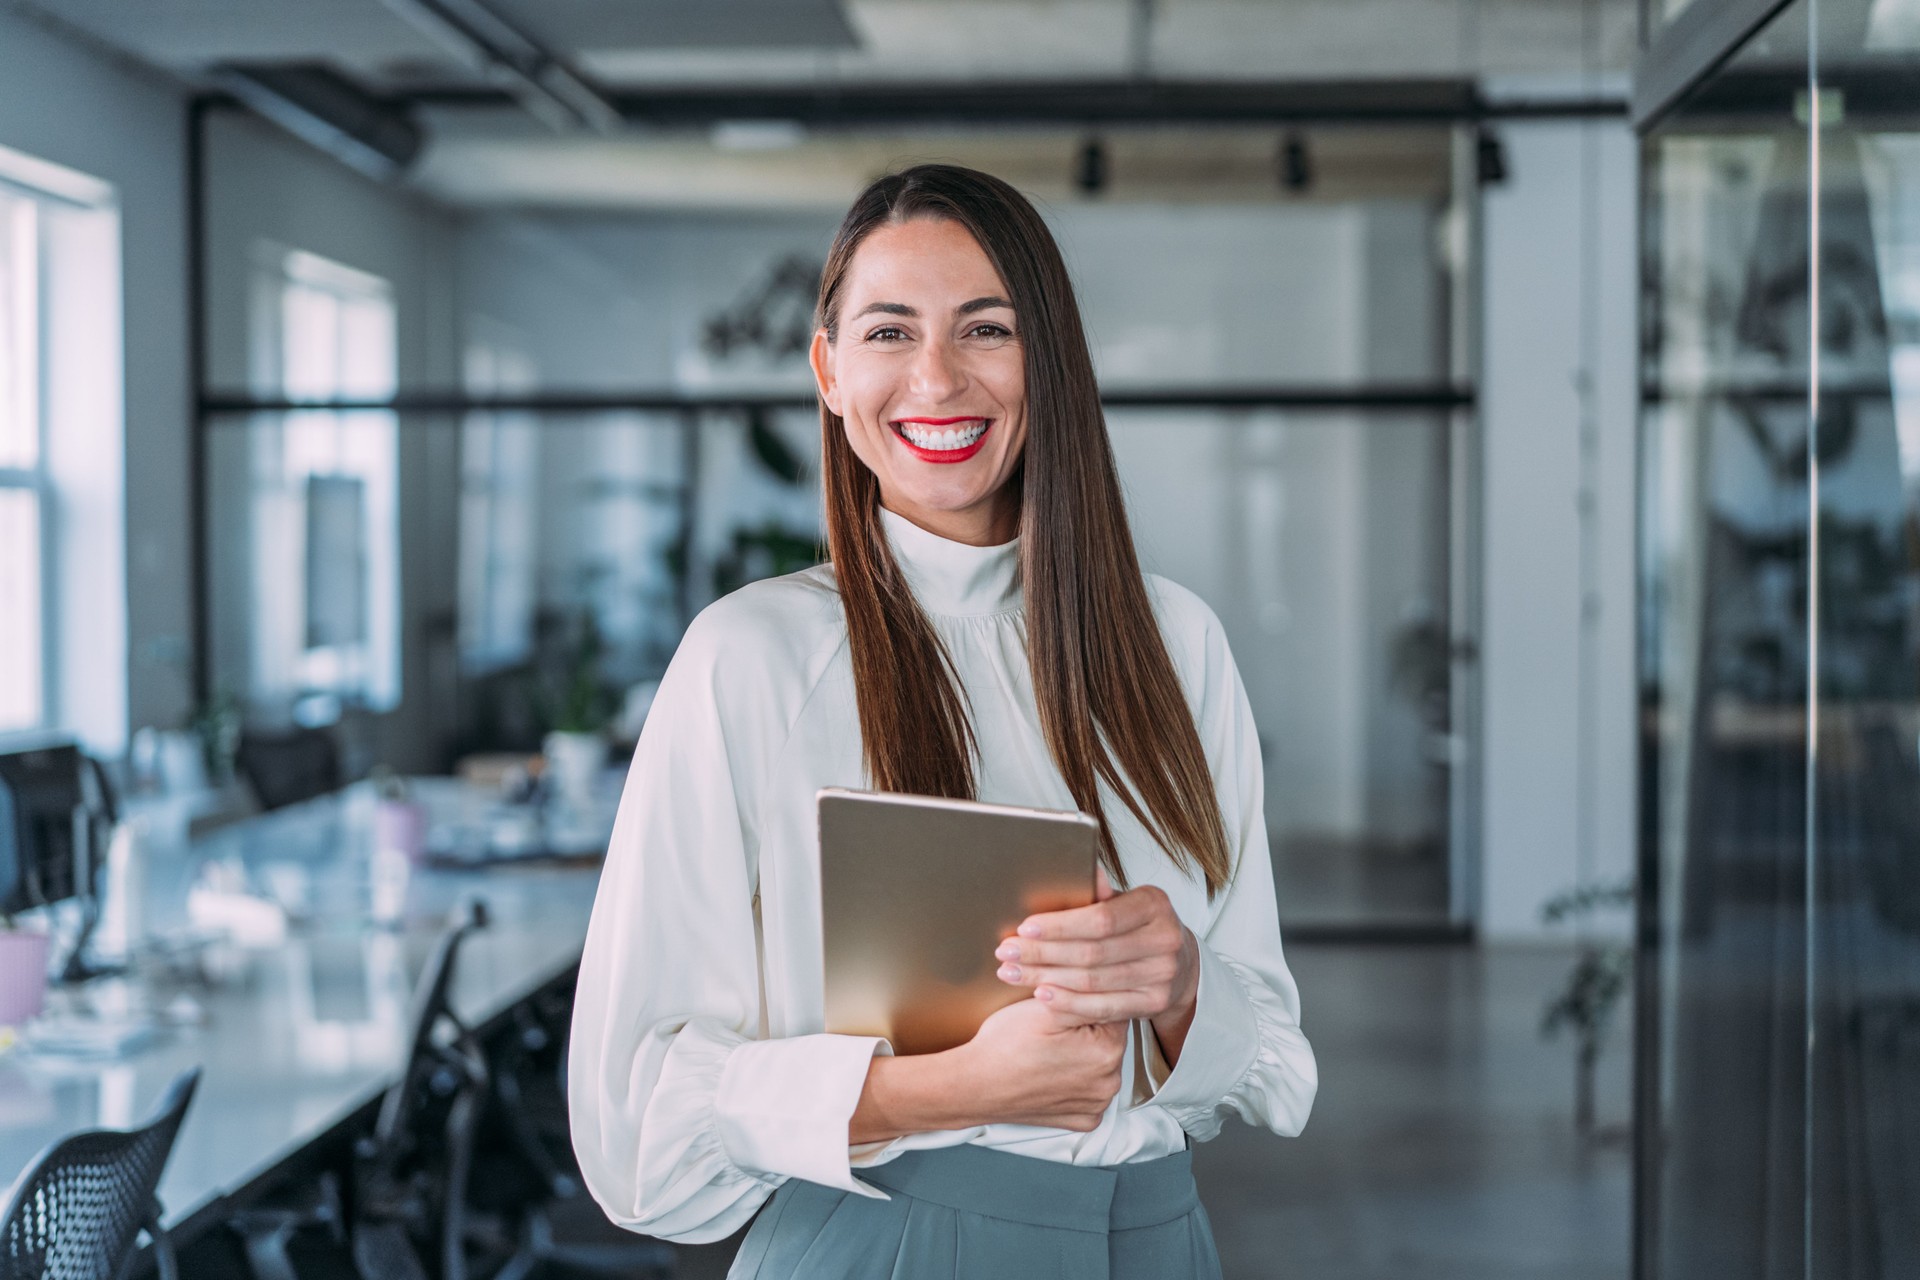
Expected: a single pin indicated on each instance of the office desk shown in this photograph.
(308, 1032)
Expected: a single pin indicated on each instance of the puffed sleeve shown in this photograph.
(684, 1121)
(1245, 1052)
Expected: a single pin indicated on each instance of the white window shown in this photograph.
(325, 512)
(63, 586)
(23, 610)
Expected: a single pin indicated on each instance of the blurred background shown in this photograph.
(1531, 386)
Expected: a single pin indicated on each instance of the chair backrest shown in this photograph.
(77, 1211)
(425, 1055)
(412, 1174)
(286, 768)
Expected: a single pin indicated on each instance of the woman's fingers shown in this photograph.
(1158, 937)
(1077, 1008)
(1121, 913)
(1117, 959)
(1083, 955)
(1149, 974)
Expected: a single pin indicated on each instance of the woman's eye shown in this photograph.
(990, 331)
(887, 333)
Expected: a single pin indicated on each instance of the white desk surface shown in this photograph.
(301, 1034)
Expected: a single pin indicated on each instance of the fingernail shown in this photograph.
(1010, 973)
(1044, 993)
(1008, 951)
(1029, 930)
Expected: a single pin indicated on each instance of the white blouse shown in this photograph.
(700, 1078)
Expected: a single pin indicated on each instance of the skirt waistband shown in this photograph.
(1043, 1193)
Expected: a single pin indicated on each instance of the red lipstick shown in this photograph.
(942, 455)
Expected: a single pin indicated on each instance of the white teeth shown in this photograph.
(941, 439)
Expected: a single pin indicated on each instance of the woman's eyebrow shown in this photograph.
(987, 303)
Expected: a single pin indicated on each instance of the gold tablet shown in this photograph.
(915, 895)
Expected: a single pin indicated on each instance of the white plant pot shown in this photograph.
(575, 762)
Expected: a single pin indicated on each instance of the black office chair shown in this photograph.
(411, 1173)
(77, 1212)
(564, 1234)
(286, 768)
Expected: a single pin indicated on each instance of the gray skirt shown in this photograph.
(962, 1212)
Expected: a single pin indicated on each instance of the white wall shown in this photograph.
(69, 105)
(1531, 821)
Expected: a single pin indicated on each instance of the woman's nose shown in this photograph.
(937, 373)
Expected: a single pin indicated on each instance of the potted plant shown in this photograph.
(1585, 1004)
(216, 723)
(579, 707)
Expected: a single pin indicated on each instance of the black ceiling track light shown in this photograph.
(1091, 168)
(1490, 158)
(1296, 164)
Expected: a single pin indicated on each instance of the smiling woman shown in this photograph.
(984, 630)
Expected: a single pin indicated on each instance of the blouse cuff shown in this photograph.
(784, 1107)
(1221, 1048)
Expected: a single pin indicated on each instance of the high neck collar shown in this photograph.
(954, 578)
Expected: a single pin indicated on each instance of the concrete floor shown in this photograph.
(1441, 1145)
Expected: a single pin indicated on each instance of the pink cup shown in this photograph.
(401, 826)
(23, 975)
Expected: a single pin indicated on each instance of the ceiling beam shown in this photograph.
(1054, 104)
(323, 108)
(541, 80)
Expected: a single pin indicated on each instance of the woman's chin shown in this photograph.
(933, 506)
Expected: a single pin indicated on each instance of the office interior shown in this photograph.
(1532, 387)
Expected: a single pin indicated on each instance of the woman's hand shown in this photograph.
(1025, 1065)
(1126, 956)
(1028, 1065)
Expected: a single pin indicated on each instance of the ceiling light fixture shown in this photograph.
(1490, 159)
(540, 79)
(1090, 168)
(1296, 164)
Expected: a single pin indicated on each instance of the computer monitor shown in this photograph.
(45, 853)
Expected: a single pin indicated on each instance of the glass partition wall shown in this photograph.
(1780, 925)
(444, 572)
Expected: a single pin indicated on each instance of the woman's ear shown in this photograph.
(820, 356)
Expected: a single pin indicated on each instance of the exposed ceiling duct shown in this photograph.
(537, 77)
(322, 107)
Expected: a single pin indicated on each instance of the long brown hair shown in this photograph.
(1111, 707)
